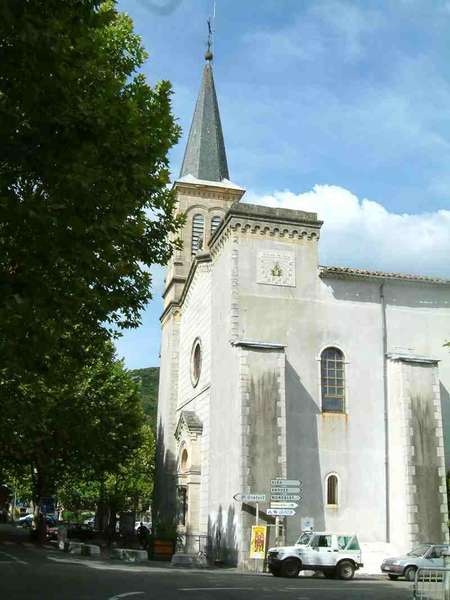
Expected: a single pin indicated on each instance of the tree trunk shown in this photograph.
(40, 491)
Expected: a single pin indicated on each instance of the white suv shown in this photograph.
(335, 554)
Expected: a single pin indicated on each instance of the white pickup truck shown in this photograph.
(335, 554)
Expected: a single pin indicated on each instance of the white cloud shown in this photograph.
(362, 233)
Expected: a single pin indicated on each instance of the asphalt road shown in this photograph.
(30, 573)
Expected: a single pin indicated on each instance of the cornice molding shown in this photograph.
(209, 191)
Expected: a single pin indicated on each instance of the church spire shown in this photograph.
(205, 157)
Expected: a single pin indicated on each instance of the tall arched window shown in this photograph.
(332, 380)
(215, 222)
(332, 486)
(184, 460)
(198, 226)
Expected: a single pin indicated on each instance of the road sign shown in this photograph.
(286, 497)
(285, 490)
(283, 505)
(250, 497)
(285, 482)
(280, 512)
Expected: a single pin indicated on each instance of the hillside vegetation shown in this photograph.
(148, 379)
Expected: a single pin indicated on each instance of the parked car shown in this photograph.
(336, 555)
(423, 555)
(27, 520)
(90, 522)
(52, 532)
(79, 531)
(144, 523)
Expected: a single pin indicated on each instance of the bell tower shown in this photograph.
(204, 191)
(204, 195)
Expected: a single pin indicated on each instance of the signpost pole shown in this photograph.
(257, 513)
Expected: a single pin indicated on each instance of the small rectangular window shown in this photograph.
(342, 541)
(354, 544)
(321, 541)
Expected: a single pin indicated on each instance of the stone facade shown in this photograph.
(264, 311)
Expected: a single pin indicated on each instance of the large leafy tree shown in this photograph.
(84, 202)
(90, 424)
(127, 485)
(84, 209)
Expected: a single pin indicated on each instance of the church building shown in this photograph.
(276, 367)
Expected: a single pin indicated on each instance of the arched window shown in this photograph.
(332, 485)
(182, 504)
(332, 380)
(215, 222)
(198, 226)
(184, 461)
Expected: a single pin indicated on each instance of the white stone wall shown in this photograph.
(418, 317)
(239, 298)
(225, 422)
(195, 323)
(308, 317)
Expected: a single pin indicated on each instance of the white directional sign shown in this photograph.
(250, 497)
(286, 497)
(285, 490)
(283, 505)
(280, 512)
(284, 482)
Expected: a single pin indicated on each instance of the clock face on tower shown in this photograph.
(276, 268)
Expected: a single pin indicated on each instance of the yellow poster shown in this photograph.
(258, 541)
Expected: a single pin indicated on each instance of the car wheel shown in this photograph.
(346, 569)
(393, 577)
(275, 572)
(290, 567)
(410, 573)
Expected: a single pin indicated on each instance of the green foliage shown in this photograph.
(84, 209)
(90, 423)
(126, 486)
(130, 486)
(148, 381)
(84, 202)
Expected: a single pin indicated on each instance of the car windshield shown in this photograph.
(304, 538)
(419, 550)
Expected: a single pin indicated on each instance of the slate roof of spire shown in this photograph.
(205, 157)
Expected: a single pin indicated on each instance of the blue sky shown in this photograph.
(341, 107)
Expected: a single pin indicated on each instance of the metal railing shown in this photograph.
(432, 584)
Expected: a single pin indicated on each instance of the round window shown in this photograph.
(196, 362)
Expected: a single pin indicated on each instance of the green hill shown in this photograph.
(148, 380)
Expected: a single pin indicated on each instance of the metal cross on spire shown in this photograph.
(209, 43)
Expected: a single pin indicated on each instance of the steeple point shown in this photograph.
(205, 157)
